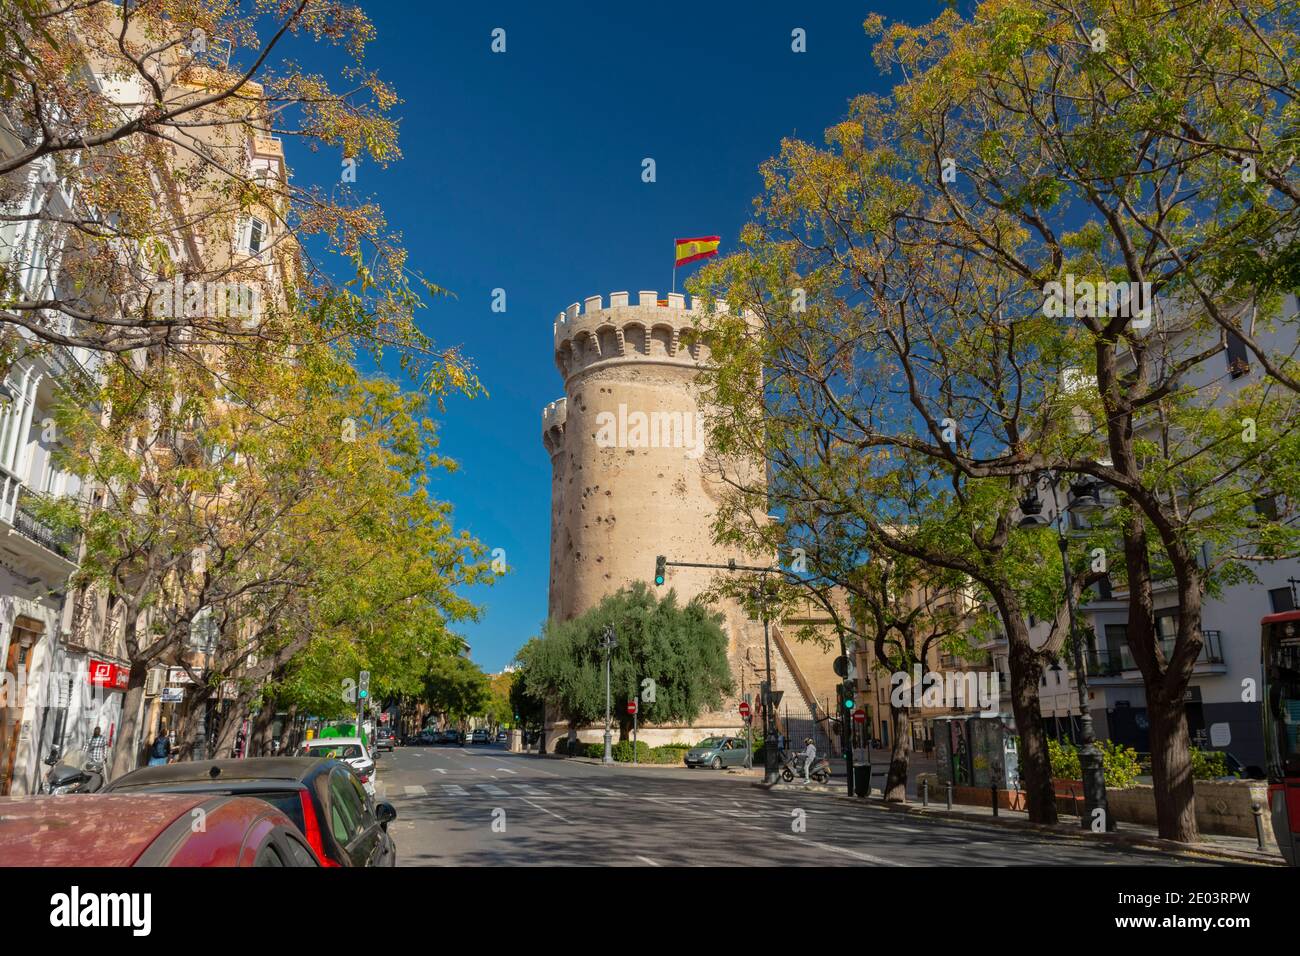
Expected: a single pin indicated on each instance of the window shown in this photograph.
(269, 857)
(1266, 507)
(1238, 358)
(255, 234)
(345, 807)
(1281, 599)
(299, 855)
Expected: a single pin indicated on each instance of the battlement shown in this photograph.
(554, 416)
(589, 331)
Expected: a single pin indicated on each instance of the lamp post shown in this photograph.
(608, 643)
(1090, 760)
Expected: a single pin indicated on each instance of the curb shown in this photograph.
(1061, 831)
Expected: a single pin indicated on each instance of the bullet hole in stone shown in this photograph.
(608, 492)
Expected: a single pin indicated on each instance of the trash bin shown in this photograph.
(861, 780)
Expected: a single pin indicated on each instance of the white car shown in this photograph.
(350, 750)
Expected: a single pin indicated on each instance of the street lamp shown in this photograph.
(608, 643)
(1090, 760)
(769, 723)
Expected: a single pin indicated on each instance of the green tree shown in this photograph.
(674, 657)
(456, 688)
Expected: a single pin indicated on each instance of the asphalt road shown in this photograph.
(484, 806)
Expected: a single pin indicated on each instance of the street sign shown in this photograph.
(744, 709)
(631, 706)
(776, 696)
(859, 716)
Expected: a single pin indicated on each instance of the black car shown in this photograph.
(385, 739)
(324, 799)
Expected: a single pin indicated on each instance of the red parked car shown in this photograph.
(148, 830)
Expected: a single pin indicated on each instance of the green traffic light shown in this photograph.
(659, 569)
(848, 704)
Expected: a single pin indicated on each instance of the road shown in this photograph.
(484, 806)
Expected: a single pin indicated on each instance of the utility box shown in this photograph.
(977, 752)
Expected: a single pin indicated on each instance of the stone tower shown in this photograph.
(631, 478)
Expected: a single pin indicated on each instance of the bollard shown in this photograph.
(1258, 810)
(1074, 795)
(925, 792)
(948, 787)
(993, 792)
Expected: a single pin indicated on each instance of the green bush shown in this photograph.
(1064, 759)
(622, 751)
(1119, 764)
(1208, 764)
(596, 751)
(669, 753)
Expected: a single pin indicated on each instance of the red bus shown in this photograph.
(1280, 646)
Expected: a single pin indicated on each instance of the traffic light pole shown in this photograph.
(769, 722)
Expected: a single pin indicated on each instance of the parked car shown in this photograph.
(109, 829)
(385, 739)
(480, 737)
(426, 738)
(350, 750)
(501, 737)
(323, 798)
(451, 737)
(718, 752)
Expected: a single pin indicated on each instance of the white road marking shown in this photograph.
(414, 791)
(439, 769)
(648, 861)
(508, 770)
(454, 790)
(489, 788)
(544, 810)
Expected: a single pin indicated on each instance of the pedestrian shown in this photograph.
(96, 747)
(809, 755)
(161, 750)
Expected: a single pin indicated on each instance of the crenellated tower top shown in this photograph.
(589, 333)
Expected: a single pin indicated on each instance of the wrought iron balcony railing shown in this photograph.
(61, 542)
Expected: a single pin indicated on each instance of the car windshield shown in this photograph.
(335, 751)
(708, 743)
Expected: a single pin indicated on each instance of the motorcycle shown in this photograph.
(820, 771)
(64, 778)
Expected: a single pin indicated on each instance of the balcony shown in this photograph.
(25, 521)
(1115, 661)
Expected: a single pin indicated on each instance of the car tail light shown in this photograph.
(311, 829)
(365, 778)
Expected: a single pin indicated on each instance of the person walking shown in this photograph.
(96, 747)
(809, 755)
(161, 750)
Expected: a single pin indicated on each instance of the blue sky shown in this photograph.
(522, 171)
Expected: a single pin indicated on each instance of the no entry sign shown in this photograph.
(859, 716)
(744, 709)
(631, 706)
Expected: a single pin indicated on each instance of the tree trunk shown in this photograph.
(259, 744)
(126, 751)
(287, 731)
(1026, 675)
(1171, 769)
(896, 780)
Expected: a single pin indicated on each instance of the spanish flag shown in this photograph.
(701, 247)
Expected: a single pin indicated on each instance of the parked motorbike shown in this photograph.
(820, 770)
(65, 778)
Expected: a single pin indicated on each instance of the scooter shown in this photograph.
(820, 770)
(64, 778)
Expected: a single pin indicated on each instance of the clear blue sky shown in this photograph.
(522, 171)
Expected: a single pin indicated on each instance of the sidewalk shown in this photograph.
(1222, 849)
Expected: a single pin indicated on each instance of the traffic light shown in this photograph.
(845, 694)
(363, 688)
(659, 569)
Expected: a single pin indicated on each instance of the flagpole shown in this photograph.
(674, 267)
